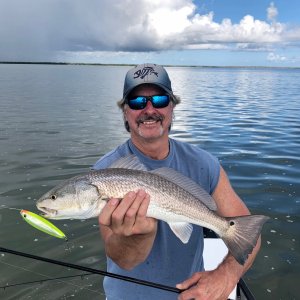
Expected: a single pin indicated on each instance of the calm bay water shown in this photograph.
(56, 121)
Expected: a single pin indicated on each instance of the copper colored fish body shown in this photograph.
(174, 199)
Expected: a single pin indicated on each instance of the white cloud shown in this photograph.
(166, 21)
(35, 28)
(276, 57)
(204, 30)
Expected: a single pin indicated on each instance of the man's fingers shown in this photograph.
(189, 287)
(131, 216)
(118, 215)
(128, 215)
(108, 209)
(189, 282)
(114, 213)
(135, 207)
(144, 206)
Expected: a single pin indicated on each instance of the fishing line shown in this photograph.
(44, 280)
(12, 208)
(94, 271)
(49, 278)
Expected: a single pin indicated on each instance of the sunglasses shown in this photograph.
(157, 101)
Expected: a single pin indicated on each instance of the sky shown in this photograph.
(167, 32)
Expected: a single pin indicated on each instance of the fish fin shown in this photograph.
(93, 210)
(242, 235)
(187, 184)
(128, 162)
(182, 230)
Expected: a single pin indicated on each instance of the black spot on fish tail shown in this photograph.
(242, 235)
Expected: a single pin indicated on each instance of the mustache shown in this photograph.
(147, 117)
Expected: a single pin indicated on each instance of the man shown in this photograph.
(142, 247)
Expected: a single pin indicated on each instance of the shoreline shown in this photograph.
(117, 65)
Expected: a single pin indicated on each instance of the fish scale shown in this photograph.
(163, 193)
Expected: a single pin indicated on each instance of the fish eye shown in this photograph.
(53, 197)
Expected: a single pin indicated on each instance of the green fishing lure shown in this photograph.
(42, 224)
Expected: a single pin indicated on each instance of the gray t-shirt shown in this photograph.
(170, 261)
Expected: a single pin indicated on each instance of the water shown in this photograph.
(56, 121)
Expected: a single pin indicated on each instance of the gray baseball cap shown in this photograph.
(146, 73)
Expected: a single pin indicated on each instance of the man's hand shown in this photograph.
(127, 232)
(127, 217)
(209, 285)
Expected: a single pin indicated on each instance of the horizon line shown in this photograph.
(130, 64)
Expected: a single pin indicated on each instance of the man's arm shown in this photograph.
(127, 233)
(218, 283)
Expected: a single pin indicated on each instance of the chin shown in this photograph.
(151, 133)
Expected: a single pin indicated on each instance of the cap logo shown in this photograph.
(144, 72)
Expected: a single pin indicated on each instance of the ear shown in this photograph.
(124, 113)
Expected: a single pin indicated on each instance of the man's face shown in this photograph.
(148, 123)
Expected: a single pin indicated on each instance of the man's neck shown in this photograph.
(155, 149)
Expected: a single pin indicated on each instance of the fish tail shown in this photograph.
(242, 235)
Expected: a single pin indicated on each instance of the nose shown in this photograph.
(149, 106)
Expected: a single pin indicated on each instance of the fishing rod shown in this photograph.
(241, 285)
(93, 271)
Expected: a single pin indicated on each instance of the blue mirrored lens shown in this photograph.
(140, 102)
(160, 101)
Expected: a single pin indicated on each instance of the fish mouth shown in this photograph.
(47, 212)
